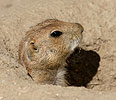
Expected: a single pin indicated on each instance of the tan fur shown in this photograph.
(45, 56)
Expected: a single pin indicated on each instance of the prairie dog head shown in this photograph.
(49, 43)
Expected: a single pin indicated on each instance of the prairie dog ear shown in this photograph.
(33, 47)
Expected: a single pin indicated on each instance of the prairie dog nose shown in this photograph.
(80, 27)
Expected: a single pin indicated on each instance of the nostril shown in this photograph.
(82, 31)
(80, 27)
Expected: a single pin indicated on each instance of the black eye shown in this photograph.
(56, 34)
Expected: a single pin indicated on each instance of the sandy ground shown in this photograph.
(98, 18)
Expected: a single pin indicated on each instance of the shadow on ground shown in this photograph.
(83, 66)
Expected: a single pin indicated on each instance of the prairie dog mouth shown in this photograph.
(75, 43)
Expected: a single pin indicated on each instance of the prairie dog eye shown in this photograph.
(56, 33)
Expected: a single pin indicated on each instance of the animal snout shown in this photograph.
(80, 27)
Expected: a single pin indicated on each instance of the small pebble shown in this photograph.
(100, 92)
(1, 98)
(3, 81)
(14, 83)
(19, 93)
(57, 94)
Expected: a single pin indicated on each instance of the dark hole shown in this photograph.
(82, 67)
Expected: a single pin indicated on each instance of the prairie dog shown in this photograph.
(45, 48)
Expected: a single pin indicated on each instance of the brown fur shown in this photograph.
(44, 56)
